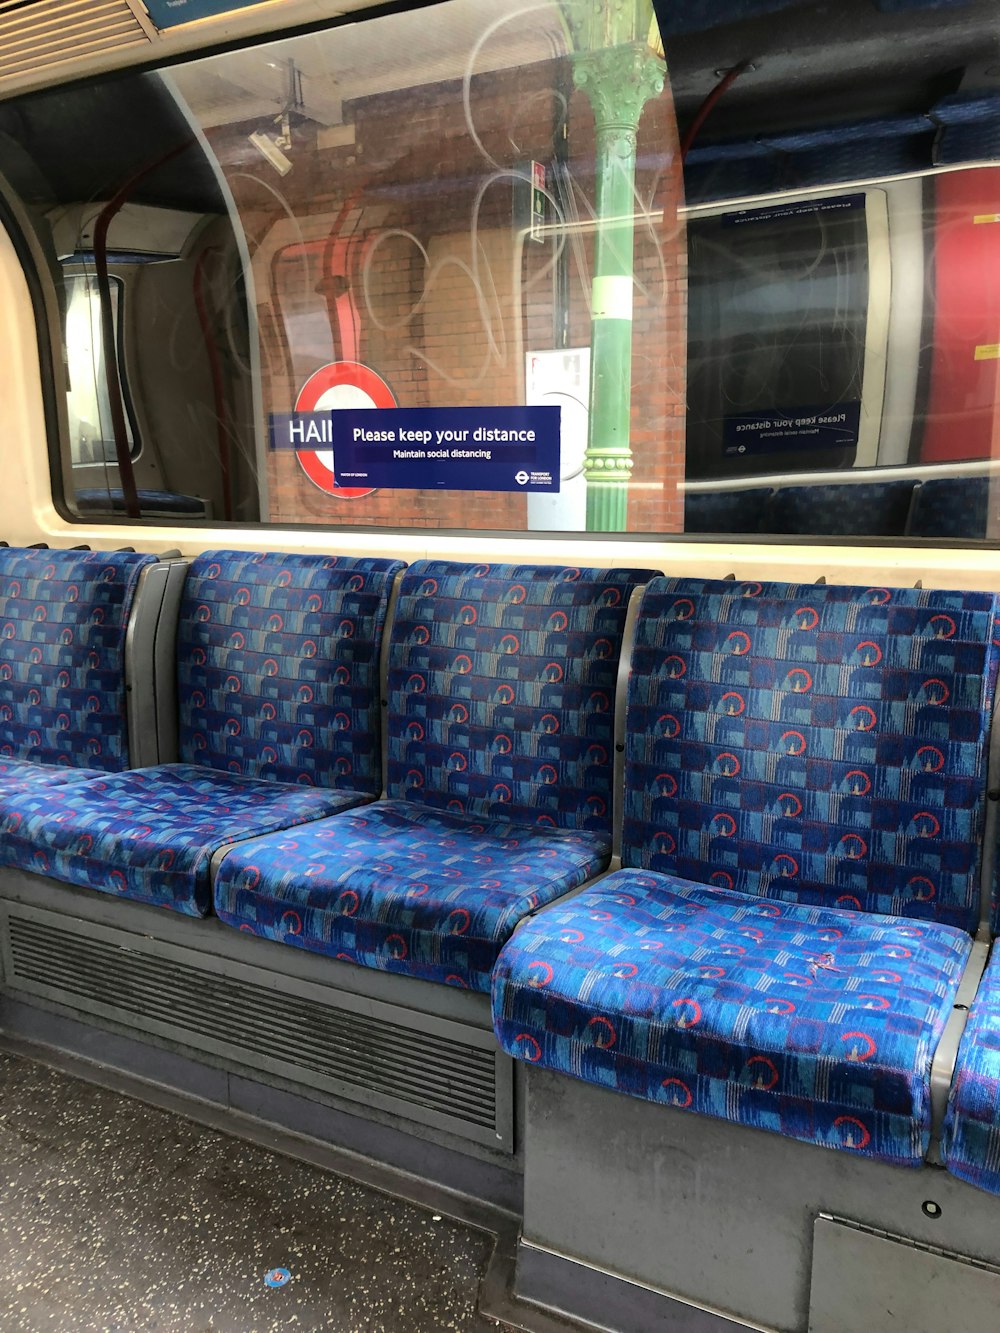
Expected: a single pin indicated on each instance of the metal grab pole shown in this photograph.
(618, 80)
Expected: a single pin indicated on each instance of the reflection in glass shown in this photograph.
(772, 254)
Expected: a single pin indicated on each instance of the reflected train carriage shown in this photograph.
(499, 634)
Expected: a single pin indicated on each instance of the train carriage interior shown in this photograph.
(499, 646)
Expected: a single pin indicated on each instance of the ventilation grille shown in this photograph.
(40, 34)
(429, 1075)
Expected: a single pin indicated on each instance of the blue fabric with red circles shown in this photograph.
(970, 1145)
(501, 736)
(149, 834)
(805, 792)
(398, 887)
(812, 1022)
(817, 744)
(277, 659)
(502, 688)
(63, 621)
(17, 774)
(278, 666)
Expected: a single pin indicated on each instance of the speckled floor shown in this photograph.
(117, 1216)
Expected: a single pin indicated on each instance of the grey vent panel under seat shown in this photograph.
(420, 1067)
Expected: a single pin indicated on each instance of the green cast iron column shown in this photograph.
(618, 80)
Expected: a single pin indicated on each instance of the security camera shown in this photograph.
(270, 149)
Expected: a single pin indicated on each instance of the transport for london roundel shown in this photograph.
(341, 384)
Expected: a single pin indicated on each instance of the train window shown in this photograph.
(581, 273)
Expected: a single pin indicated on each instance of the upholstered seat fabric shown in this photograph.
(63, 622)
(94, 500)
(277, 661)
(403, 888)
(18, 774)
(149, 834)
(502, 689)
(858, 509)
(805, 788)
(817, 1023)
(970, 1145)
(950, 507)
(818, 744)
(502, 684)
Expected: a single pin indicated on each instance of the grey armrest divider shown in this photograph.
(140, 673)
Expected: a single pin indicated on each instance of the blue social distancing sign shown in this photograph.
(430, 448)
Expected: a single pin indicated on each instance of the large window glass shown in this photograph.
(489, 266)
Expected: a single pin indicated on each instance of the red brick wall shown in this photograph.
(427, 326)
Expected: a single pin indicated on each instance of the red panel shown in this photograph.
(963, 391)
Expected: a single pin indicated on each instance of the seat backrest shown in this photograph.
(162, 504)
(825, 745)
(950, 507)
(64, 617)
(277, 666)
(855, 509)
(502, 689)
(726, 511)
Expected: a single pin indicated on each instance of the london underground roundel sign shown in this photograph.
(341, 384)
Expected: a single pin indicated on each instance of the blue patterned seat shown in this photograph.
(805, 783)
(970, 1146)
(150, 833)
(854, 509)
(816, 1023)
(64, 616)
(278, 723)
(726, 511)
(501, 716)
(403, 888)
(20, 774)
(158, 504)
(950, 507)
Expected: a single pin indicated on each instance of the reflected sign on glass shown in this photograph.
(431, 448)
(834, 426)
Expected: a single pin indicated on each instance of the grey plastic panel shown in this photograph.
(414, 1065)
(140, 676)
(165, 662)
(715, 1213)
(863, 1280)
(150, 672)
(621, 701)
(943, 1067)
(383, 678)
(568, 1287)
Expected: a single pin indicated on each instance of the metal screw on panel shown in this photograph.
(930, 1208)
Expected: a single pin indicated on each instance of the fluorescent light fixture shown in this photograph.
(270, 149)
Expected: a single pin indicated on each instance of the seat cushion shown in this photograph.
(150, 833)
(971, 1142)
(403, 888)
(18, 774)
(816, 1023)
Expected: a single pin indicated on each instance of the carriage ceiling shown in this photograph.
(813, 65)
